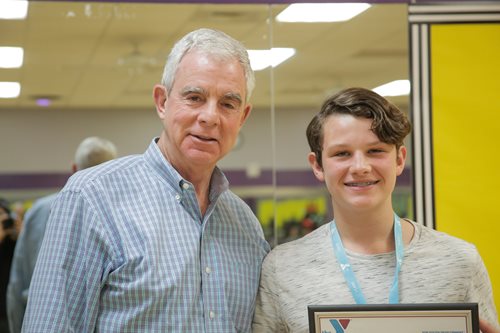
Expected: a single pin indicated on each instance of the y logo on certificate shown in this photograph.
(339, 325)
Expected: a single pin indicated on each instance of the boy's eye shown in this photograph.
(376, 151)
(341, 154)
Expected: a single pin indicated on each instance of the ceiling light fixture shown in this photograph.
(321, 12)
(261, 59)
(44, 102)
(13, 9)
(10, 89)
(11, 57)
(394, 88)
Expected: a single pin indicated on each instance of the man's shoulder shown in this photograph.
(233, 199)
(235, 206)
(108, 170)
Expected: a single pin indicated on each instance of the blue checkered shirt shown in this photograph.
(127, 250)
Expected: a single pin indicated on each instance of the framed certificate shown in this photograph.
(394, 318)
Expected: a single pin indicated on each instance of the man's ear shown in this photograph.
(160, 96)
(317, 169)
(246, 112)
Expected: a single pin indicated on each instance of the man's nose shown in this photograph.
(209, 113)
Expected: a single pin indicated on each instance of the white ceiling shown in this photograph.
(109, 55)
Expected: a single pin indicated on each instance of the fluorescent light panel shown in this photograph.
(13, 9)
(321, 12)
(10, 89)
(261, 59)
(394, 88)
(11, 57)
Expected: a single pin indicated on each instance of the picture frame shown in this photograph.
(395, 318)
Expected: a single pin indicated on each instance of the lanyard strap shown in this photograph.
(346, 268)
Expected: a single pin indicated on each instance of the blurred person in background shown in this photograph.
(8, 235)
(91, 151)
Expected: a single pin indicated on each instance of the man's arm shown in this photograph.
(66, 285)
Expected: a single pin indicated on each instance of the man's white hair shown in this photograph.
(209, 42)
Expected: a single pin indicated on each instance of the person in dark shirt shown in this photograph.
(8, 235)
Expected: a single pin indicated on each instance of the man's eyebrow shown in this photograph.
(189, 90)
(234, 96)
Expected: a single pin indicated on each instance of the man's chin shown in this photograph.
(202, 157)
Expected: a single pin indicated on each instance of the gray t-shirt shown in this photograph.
(437, 268)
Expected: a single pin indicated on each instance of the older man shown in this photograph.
(157, 242)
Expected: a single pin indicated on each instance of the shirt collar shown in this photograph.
(155, 159)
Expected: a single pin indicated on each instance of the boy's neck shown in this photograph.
(370, 233)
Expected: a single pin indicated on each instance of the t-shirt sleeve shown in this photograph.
(267, 316)
(480, 291)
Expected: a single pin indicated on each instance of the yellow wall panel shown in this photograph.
(465, 76)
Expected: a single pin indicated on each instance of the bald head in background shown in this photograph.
(93, 151)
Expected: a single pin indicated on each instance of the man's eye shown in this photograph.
(376, 151)
(229, 106)
(193, 98)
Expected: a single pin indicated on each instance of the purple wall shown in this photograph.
(305, 178)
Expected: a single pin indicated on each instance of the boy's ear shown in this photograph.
(400, 160)
(317, 169)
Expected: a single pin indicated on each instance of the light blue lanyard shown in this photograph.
(346, 268)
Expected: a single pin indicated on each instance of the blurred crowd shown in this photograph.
(294, 228)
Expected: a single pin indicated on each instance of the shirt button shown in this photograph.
(177, 197)
(185, 186)
(211, 314)
(208, 270)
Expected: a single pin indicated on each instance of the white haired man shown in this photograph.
(157, 242)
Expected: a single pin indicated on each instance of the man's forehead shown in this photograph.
(196, 76)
